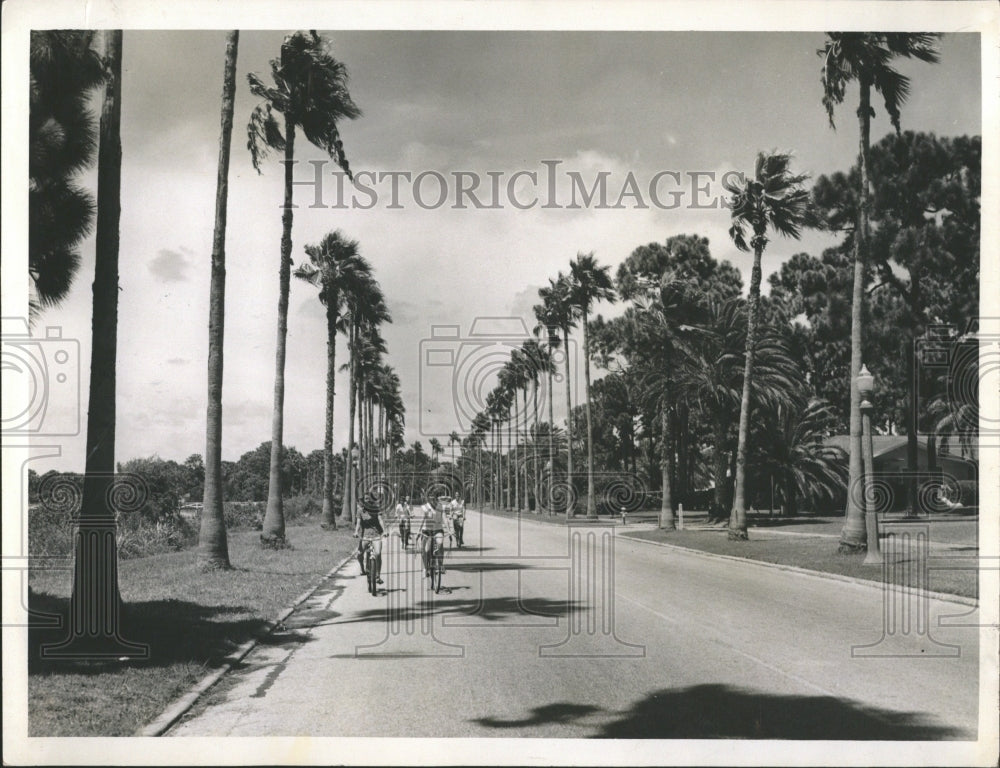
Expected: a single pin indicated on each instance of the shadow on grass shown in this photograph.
(716, 711)
(174, 630)
(774, 522)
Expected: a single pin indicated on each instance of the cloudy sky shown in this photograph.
(476, 102)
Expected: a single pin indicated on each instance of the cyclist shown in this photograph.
(370, 530)
(432, 528)
(458, 520)
(403, 517)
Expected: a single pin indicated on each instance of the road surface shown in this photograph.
(578, 632)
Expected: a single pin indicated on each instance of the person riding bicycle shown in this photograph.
(458, 520)
(433, 528)
(370, 530)
(403, 518)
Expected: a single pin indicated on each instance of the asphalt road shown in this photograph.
(576, 632)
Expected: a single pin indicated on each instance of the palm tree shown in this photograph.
(773, 198)
(557, 298)
(95, 607)
(366, 361)
(591, 283)
(310, 90)
(453, 440)
(336, 269)
(494, 410)
(213, 549)
(547, 323)
(865, 57)
(365, 308)
(798, 455)
(436, 449)
(64, 69)
(538, 361)
(710, 379)
(660, 332)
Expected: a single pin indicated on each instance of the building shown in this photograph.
(944, 478)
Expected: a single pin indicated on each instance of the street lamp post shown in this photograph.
(866, 386)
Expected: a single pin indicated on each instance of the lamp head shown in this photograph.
(865, 383)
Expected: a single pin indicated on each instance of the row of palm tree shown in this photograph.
(309, 90)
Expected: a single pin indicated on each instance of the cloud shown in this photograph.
(524, 303)
(170, 266)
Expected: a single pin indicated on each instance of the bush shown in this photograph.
(305, 506)
(50, 534)
(50, 531)
(244, 515)
(140, 538)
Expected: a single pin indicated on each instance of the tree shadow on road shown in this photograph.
(488, 609)
(726, 712)
(561, 712)
(715, 711)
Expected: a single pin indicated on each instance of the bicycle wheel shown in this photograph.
(372, 576)
(437, 565)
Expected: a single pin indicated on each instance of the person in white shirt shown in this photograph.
(403, 518)
(458, 520)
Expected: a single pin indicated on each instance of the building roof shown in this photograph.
(883, 444)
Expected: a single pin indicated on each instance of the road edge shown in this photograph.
(177, 708)
(879, 585)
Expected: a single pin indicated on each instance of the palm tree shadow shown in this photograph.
(174, 630)
(714, 711)
(560, 712)
(490, 609)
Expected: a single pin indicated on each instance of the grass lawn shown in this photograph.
(946, 572)
(190, 619)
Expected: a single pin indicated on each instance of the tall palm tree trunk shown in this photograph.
(524, 450)
(738, 516)
(534, 445)
(552, 455)
(667, 501)
(494, 465)
(329, 513)
(213, 547)
(274, 518)
(570, 511)
(853, 537)
(719, 465)
(96, 604)
(511, 451)
(591, 502)
(347, 511)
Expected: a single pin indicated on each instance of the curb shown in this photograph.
(879, 585)
(176, 710)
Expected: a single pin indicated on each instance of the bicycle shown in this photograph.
(368, 556)
(436, 564)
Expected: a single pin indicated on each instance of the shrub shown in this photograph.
(245, 515)
(143, 539)
(298, 507)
